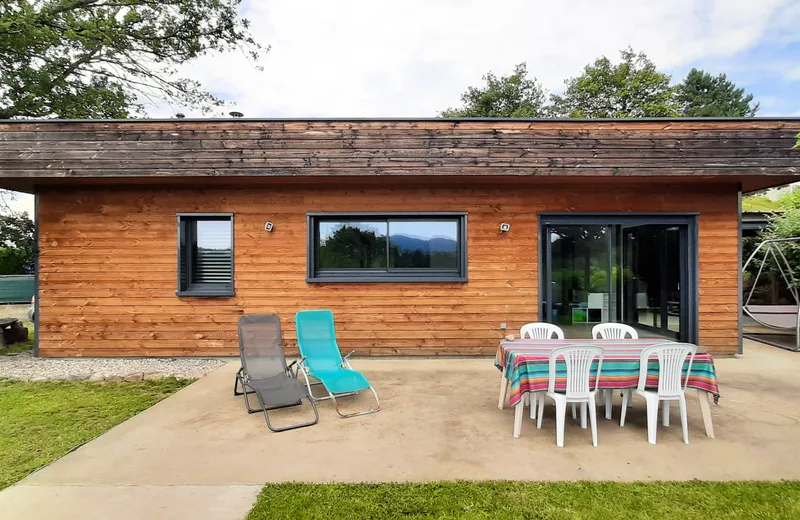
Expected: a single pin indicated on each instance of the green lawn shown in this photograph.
(42, 421)
(25, 346)
(523, 500)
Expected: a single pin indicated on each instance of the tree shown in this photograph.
(704, 95)
(17, 247)
(351, 247)
(104, 58)
(632, 88)
(516, 95)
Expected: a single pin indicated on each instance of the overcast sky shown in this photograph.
(414, 58)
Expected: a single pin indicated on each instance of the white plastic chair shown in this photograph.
(671, 387)
(579, 389)
(614, 331)
(541, 330)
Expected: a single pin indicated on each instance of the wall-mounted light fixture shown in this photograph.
(504, 228)
(268, 226)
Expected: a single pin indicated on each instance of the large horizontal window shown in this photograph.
(205, 254)
(378, 247)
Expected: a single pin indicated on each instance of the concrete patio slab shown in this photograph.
(439, 421)
(127, 502)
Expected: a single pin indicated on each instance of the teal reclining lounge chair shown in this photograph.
(322, 360)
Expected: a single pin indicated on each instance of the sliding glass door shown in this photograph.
(638, 270)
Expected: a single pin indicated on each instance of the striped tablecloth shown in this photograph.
(526, 364)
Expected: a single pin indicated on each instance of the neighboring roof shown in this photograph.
(758, 220)
(755, 152)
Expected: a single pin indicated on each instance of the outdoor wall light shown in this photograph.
(268, 227)
(505, 227)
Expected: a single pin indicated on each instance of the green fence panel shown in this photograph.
(16, 289)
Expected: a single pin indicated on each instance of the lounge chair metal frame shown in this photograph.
(243, 385)
(346, 363)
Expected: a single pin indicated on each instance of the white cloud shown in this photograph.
(20, 202)
(414, 58)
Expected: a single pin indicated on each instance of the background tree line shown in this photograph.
(633, 87)
(17, 246)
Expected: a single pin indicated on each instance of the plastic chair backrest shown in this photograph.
(316, 339)
(578, 361)
(613, 331)
(539, 330)
(261, 346)
(671, 358)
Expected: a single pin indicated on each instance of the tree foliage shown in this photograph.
(783, 225)
(759, 203)
(105, 58)
(632, 88)
(703, 95)
(516, 95)
(351, 247)
(17, 245)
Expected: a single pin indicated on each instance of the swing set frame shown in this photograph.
(761, 314)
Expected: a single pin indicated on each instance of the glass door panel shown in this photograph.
(648, 277)
(672, 278)
(578, 267)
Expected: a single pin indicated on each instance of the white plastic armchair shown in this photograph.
(540, 330)
(671, 384)
(614, 331)
(579, 387)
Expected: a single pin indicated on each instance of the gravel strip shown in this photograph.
(28, 368)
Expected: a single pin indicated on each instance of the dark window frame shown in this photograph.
(207, 290)
(383, 275)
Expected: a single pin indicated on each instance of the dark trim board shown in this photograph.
(36, 275)
(739, 263)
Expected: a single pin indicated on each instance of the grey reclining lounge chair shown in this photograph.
(264, 371)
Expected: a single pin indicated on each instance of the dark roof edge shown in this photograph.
(411, 120)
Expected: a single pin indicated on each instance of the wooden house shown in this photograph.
(423, 236)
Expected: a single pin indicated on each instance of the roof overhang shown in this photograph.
(754, 152)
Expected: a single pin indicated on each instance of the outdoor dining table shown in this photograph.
(525, 365)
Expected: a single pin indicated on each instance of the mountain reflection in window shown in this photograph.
(423, 244)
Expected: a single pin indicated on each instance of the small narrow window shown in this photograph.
(400, 247)
(205, 254)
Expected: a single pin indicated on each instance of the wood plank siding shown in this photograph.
(109, 192)
(108, 267)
